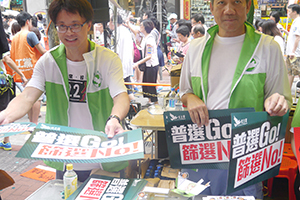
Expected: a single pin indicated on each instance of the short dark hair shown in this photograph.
(181, 22)
(148, 25)
(183, 30)
(148, 13)
(34, 21)
(199, 28)
(276, 15)
(155, 22)
(39, 16)
(23, 17)
(82, 7)
(294, 7)
(198, 17)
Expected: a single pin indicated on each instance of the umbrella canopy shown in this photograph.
(10, 12)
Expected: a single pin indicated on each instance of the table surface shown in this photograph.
(145, 120)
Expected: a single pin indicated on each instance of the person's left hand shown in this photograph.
(113, 127)
(276, 105)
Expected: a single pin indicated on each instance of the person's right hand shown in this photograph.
(198, 110)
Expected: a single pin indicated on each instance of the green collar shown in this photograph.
(249, 46)
(59, 55)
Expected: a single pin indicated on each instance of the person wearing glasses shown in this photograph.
(83, 82)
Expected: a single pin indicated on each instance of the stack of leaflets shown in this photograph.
(107, 188)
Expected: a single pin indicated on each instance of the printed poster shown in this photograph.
(205, 147)
(16, 128)
(72, 145)
(256, 148)
(108, 188)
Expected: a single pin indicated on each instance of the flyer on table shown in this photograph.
(256, 148)
(72, 145)
(108, 188)
(205, 147)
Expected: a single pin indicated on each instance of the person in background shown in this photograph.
(95, 98)
(149, 49)
(125, 51)
(40, 21)
(198, 19)
(293, 45)
(15, 28)
(275, 16)
(183, 36)
(34, 21)
(269, 27)
(172, 31)
(7, 96)
(25, 52)
(198, 31)
(233, 66)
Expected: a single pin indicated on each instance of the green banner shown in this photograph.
(104, 187)
(205, 147)
(72, 145)
(256, 150)
(16, 128)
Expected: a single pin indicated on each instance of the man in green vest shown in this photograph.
(233, 66)
(83, 82)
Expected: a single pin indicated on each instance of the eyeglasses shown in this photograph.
(75, 28)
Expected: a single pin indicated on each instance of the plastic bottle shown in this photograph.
(172, 99)
(178, 103)
(70, 181)
(2, 79)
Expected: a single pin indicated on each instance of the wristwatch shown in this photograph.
(113, 116)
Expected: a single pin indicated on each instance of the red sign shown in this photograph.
(186, 9)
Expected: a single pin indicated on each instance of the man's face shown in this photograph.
(172, 21)
(230, 15)
(70, 39)
(292, 14)
(194, 22)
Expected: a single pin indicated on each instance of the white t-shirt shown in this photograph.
(280, 41)
(125, 50)
(79, 111)
(224, 57)
(150, 44)
(295, 30)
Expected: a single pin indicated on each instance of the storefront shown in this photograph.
(192, 7)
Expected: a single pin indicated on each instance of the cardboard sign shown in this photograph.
(248, 144)
(297, 143)
(72, 145)
(256, 148)
(16, 128)
(205, 147)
